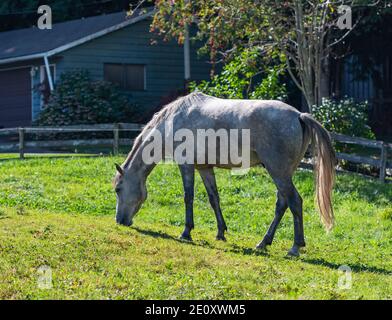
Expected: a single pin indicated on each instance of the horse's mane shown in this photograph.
(162, 115)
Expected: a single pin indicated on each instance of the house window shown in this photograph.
(130, 77)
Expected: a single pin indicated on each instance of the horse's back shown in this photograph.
(276, 134)
(266, 118)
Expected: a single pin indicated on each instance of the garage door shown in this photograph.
(15, 98)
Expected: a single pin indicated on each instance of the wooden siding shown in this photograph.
(164, 61)
(36, 80)
(379, 96)
(359, 89)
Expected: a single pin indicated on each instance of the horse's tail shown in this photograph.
(324, 167)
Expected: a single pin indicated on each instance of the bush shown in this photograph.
(246, 76)
(349, 118)
(386, 214)
(79, 100)
(344, 116)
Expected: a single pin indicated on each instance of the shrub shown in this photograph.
(79, 100)
(344, 116)
(246, 76)
(349, 118)
(386, 214)
(271, 88)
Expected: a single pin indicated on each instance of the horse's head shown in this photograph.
(130, 192)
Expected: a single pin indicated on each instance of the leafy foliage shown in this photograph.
(245, 77)
(79, 100)
(344, 116)
(304, 31)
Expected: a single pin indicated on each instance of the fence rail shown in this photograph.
(380, 162)
(22, 144)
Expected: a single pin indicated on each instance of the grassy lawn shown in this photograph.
(59, 212)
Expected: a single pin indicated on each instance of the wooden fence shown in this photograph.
(22, 143)
(380, 162)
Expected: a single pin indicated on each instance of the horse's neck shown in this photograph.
(139, 165)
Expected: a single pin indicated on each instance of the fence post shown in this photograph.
(21, 143)
(116, 138)
(383, 162)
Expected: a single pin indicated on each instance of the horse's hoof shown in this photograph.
(262, 246)
(187, 238)
(221, 237)
(293, 253)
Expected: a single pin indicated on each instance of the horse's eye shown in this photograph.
(117, 190)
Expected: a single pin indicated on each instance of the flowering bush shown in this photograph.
(344, 116)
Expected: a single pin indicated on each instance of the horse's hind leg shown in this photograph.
(280, 209)
(287, 196)
(295, 204)
(188, 180)
(209, 181)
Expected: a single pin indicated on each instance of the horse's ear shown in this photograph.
(119, 169)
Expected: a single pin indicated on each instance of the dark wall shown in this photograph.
(365, 71)
(15, 14)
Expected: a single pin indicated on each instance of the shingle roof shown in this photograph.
(33, 41)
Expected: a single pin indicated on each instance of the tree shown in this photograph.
(305, 31)
(247, 76)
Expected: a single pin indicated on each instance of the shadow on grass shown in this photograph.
(203, 244)
(247, 251)
(354, 267)
(160, 234)
(254, 252)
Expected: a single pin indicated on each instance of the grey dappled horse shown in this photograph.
(279, 138)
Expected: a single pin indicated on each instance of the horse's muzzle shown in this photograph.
(124, 222)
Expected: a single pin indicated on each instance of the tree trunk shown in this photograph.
(324, 90)
(308, 91)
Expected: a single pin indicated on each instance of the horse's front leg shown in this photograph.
(188, 181)
(208, 177)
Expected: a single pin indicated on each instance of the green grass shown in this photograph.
(59, 212)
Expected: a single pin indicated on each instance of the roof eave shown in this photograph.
(79, 41)
(22, 58)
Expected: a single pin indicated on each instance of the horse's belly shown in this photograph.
(249, 160)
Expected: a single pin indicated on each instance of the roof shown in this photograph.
(32, 43)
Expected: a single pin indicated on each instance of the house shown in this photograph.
(365, 72)
(111, 47)
(374, 86)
